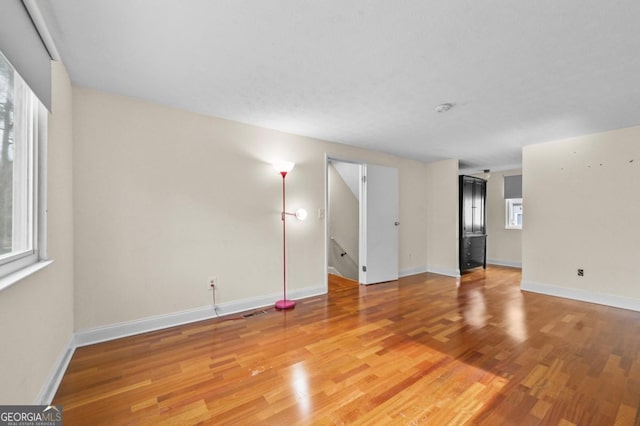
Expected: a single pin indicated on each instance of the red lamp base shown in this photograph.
(285, 304)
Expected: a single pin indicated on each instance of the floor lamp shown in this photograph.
(284, 167)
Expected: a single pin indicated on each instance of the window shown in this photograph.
(22, 140)
(514, 213)
(513, 201)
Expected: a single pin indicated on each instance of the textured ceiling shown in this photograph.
(370, 72)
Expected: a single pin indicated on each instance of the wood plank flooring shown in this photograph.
(424, 350)
(338, 283)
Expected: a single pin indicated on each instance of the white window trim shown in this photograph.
(21, 265)
(508, 202)
(20, 274)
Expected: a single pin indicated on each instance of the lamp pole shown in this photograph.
(284, 303)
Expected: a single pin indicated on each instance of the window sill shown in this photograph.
(11, 279)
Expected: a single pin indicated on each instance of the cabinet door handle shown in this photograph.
(396, 223)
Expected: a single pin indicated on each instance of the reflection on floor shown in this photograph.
(427, 350)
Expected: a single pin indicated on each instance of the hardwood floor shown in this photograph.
(419, 351)
(338, 283)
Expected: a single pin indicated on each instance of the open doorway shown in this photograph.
(362, 240)
(343, 223)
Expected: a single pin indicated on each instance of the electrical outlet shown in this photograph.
(580, 272)
(212, 283)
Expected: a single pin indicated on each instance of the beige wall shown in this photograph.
(344, 210)
(581, 211)
(442, 217)
(504, 246)
(36, 314)
(166, 198)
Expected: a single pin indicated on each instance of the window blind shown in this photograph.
(513, 186)
(22, 46)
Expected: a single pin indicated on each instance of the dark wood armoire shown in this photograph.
(473, 227)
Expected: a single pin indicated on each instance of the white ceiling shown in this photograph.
(370, 72)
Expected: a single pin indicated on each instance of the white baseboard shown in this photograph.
(158, 322)
(303, 293)
(50, 386)
(412, 271)
(143, 325)
(333, 271)
(509, 263)
(455, 273)
(582, 295)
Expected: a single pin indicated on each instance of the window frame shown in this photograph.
(19, 264)
(509, 204)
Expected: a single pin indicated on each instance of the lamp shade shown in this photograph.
(283, 166)
(301, 214)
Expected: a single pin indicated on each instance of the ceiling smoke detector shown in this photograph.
(444, 107)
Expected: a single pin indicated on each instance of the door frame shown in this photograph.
(327, 237)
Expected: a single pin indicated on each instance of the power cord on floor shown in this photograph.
(247, 315)
(215, 305)
(254, 313)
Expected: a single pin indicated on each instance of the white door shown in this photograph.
(379, 225)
